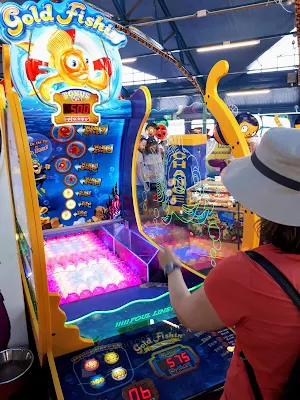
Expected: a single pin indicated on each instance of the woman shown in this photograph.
(238, 292)
(154, 169)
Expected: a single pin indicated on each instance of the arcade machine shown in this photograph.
(196, 215)
(99, 309)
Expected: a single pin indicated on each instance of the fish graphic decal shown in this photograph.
(70, 63)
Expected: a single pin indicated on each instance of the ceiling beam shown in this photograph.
(205, 13)
(266, 80)
(193, 48)
(180, 41)
(134, 7)
(159, 33)
(121, 9)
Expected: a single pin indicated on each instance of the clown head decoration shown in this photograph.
(161, 132)
(151, 129)
(249, 125)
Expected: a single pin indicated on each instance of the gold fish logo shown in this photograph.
(72, 66)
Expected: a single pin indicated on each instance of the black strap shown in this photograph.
(289, 289)
(252, 378)
(273, 175)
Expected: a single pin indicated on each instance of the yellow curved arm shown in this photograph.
(233, 136)
(277, 120)
(228, 124)
(2, 98)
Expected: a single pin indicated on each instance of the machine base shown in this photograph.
(160, 361)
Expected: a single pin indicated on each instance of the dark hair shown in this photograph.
(286, 238)
(143, 138)
(246, 117)
(151, 141)
(152, 125)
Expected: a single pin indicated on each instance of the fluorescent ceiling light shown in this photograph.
(248, 92)
(228, 45)
(129, 60)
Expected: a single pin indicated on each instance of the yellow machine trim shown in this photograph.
(32, 315)
(233, 136)
(65, 339)
(32, 213)
(187, 140)
(49, 329)
(55, 378)
(133, 177)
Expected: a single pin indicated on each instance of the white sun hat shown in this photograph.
(268, 182)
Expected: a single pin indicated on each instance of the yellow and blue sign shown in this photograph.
(16, 20)
(67, 70)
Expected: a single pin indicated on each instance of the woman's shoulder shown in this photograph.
(241, 264)
(241, 256)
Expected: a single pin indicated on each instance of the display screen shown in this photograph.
(175, 361)
(76, 108)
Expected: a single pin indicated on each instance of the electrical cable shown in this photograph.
(279, 2)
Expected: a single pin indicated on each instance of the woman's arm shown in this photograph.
(194, 310)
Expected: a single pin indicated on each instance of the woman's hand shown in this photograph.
(166, 257)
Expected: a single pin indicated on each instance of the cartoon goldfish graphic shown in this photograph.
(64, 132)
(75, 150)
(70, 63)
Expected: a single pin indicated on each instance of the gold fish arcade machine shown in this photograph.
(195, 214)
(99, 307)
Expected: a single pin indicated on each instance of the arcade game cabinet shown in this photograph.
(194, 213)
(99, 307)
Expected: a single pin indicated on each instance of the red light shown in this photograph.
(138, 393)
(76, 108)
(174, 361)
(178, 359)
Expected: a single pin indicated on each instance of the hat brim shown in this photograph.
(260, 194)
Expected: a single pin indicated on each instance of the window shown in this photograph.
(268, 121)
(176, 127)
(133, 76)
(284, 55)
(198, 123)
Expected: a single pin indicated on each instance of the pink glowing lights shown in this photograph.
(80, 266)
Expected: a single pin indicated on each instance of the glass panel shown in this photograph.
(282, 55)
(182, 207)
(19, 207)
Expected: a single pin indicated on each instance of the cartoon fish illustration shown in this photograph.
(64, 132)
(70, 63)
(62, 165)
(75, 150)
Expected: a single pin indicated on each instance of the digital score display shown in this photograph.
(142, 390)
(174, 361)
(78, 108)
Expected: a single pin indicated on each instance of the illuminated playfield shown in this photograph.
(80, 266)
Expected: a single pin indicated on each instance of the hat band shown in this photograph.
(274, 176)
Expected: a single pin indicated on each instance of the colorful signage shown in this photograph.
(66, 68)
(17, 19)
